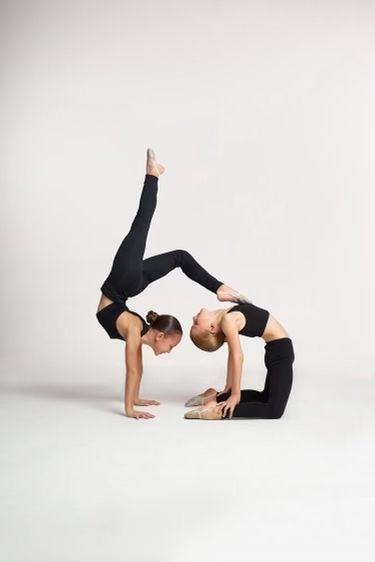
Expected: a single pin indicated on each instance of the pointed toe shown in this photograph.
(194, 401)
(192, 415)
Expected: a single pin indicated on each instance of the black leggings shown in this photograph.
(270, 402)
(130, 273)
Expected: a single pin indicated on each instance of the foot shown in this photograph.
(201, 399)
(226, 293)
(212, 411)
(153, 168)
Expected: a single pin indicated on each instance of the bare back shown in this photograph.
(124, 321)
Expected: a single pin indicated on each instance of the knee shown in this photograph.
(276, 412)
(182, 256)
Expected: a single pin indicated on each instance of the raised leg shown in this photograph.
(126, 272)
(158, 266)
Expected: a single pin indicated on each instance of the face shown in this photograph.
(164, 343)
(202, 321)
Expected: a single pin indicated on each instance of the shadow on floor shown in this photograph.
(98, 396)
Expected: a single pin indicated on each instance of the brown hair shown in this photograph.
(164, 323)
(208, 341)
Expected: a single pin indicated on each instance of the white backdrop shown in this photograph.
(263, 114)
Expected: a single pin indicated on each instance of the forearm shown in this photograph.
(138, 386)
(228, 381)
(131, 390)
(234, 373)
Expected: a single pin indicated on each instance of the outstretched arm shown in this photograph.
(142, 401)
(234, 365)
(230, 374)
(133, 364)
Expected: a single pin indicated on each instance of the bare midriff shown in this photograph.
(273, 330)
(104, 301)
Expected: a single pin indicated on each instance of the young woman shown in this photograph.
(210, 329)
(130, 275)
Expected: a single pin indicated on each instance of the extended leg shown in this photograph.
(158, 266)
(126, 272)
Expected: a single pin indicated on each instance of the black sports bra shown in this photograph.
(256, 319)
(108, 315)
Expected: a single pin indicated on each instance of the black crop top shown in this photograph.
(108, 315)
(256, 319)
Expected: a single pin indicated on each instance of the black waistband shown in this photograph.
(112, 294)
(279, 341)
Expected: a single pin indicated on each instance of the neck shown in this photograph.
(218, 316)
(146, 338)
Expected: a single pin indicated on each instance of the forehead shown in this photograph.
(174, 337)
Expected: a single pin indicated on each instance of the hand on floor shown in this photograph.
(139, 415)
(141, 402)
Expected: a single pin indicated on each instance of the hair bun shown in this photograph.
(151, 316)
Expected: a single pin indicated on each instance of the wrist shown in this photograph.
(129, 408)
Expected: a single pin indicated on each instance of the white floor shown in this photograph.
(80, 482)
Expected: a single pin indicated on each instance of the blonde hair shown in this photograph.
(207, 341)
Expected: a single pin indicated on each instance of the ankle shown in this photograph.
(153, 172)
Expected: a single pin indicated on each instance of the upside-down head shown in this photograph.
(205, 332)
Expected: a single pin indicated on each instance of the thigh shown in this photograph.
(156, 267)
(279, 384)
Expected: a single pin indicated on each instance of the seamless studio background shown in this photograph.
(263, 114)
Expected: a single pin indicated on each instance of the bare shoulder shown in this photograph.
(128, 323)
(229, 327)
(229, 323)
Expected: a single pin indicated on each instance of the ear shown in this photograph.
(212, 329)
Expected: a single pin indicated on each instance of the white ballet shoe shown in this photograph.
(239, 298)
(209, 413)
(152, 166)
(200, 399)
(226, 293)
